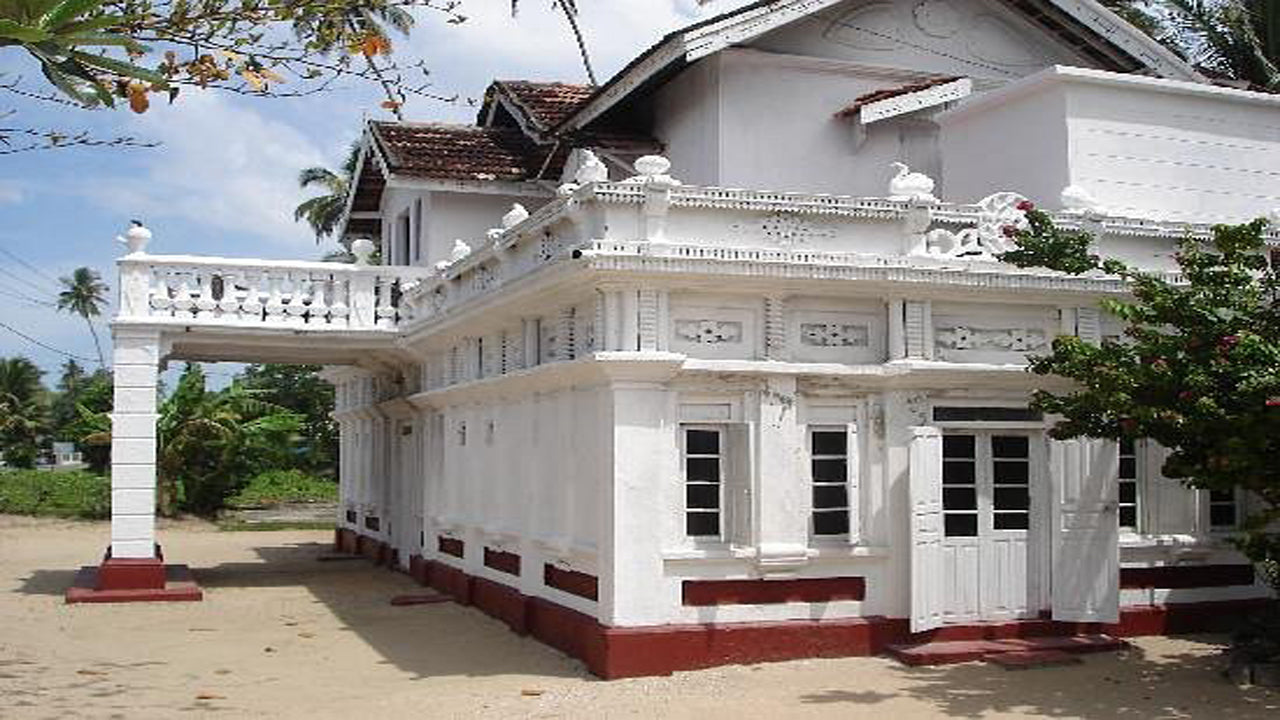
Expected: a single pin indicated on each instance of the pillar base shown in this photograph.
(134, 580)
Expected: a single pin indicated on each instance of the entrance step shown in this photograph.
(1026, 659)
(958, 651)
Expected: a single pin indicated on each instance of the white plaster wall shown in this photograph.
(1022, 147)
(687, 122)
(949, 37)
(446, 216)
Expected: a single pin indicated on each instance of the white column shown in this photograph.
(133, 443)
(780, 501)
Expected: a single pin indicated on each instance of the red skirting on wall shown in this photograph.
(616, 652)
(571, 581)
(451, 546)
(502, 561)
(1181, 577)
(765, 592)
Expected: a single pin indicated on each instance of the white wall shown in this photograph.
(446, 216)
(687, 122)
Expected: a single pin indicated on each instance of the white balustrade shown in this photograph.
(247, 293)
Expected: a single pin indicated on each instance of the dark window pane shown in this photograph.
(830, 442)
(959, 498)
(835, 522)
(1129, 517)
(834, 470)
(957, 472)
(1222, 496)
(1011, 472)
(702, 496)
(965, 525)
(702, 469)
(957, 446)
(1128, 468)
(830, 496)
(986, 414)
(702, 524)
(1128, 492)
(702, 442)
(1222, 515)
(1011, 521)
(1010, 446)
(1012, 498)
(1127, 446)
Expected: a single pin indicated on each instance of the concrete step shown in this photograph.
(1027, 659)
(958, 651)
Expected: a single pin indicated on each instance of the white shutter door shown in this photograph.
(925, 499)
(739, 453)
(1086, 531)
(1172, 508)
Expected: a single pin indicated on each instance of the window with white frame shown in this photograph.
(1128, 480)
(1224, 512)
(702, 451)
(829, 473)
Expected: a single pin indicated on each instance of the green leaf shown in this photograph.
(120, 67)
(66, 11)
(68, 85)
(22, 33)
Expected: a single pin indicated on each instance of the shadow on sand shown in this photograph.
(426, 641)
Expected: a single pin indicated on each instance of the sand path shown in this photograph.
(280, 635)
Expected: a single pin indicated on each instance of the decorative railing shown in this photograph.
(320, 296)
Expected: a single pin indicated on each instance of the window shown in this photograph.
(703, 458)
(1128, 478)
(1011, 481)
(1223, 512)
(829, 470)
(960, 485)
(417, 230)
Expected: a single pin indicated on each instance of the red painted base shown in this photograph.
(178, 586)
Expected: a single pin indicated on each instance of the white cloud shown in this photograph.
(10, 193)
(223, 165)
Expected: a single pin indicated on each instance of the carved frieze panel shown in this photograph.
(835, 336)
(983, 335)
(782, 229)
(714, 332)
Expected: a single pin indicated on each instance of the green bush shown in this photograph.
(275, 487)
(68, 494)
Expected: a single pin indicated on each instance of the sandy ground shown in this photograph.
(282, 635)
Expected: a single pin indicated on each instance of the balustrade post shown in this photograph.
(361, 298)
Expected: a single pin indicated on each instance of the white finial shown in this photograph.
(907, 185)
(363, 249)
(1076, 199)
(460, 251)
(592, 169)
(516, 215)
(653, 169)
(136, 237)
(442, 266)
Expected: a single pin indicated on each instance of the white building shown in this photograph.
(768, 399)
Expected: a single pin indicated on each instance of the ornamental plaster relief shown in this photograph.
(714, 332)
(980, 333)
(782, 229)
(832, 336)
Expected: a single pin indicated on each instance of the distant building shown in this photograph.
(715, 362)
(66, 456)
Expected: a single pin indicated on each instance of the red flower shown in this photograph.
(1229, 342)
(1273, 402)
(1026, 206)
(1185, 395)
(1009, 230)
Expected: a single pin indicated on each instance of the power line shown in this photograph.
(28, 265)
(51, 348)
(25, 281)
(17, 295)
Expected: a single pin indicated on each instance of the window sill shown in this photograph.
(729, 552)
(1174, 543)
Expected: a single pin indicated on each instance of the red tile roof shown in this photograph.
(545, 103)
(463, 152)
(886, 93)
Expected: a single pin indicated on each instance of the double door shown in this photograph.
(992, 525)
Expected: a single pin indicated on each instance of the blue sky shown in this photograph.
(223, 181)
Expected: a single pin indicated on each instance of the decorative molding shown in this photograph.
(835, 335)
(775, 328)
(709, 332)
(991, 237)
(911, 102)
(962, 337)
(918, 326)
(783, 229)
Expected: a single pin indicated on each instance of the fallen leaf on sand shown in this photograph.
(90, 672)
(209, 696)
(306, 634)
(268, 649)
(222, 671)
(531, 693)
(200, 630)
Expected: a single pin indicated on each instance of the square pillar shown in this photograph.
(133, 444)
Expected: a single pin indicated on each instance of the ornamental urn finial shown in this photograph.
(460, 251)
(136, 237)
(653, 169)
(516, 215)
(907, 185)
(591, 170)
(1076, 199)
(363, 249)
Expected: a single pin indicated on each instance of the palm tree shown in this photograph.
(323, 212)
(1236, 39)
(84, 294)
(570, 10)
(22, 412)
